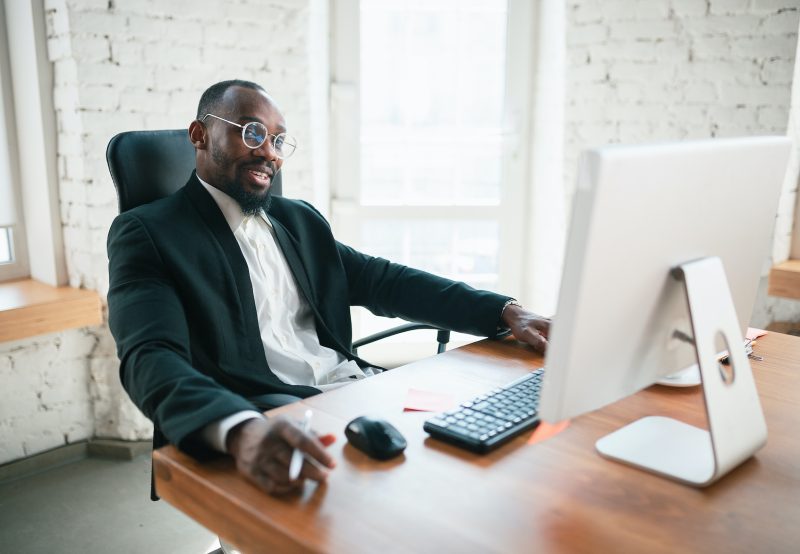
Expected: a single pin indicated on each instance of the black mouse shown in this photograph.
(377, 438)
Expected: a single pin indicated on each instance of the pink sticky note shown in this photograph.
(428, 401)
(753, 333)
(546, 430)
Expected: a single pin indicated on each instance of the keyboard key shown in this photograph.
(488, 420)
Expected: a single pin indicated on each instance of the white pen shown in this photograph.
(296, 463)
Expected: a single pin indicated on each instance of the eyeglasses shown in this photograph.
(254, 134)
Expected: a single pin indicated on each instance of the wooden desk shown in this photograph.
(556, 496)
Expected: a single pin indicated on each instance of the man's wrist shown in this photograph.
(216, 433)
(235, 433)
(502, 325)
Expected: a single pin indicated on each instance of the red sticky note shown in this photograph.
(546, 430)
(428, 401)
(753, 333)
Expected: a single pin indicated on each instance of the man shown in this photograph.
(225, 301)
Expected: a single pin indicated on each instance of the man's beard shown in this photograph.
(250, 202)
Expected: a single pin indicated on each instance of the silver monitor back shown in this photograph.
(638, 212)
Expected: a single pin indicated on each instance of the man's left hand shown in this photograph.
(527, 327)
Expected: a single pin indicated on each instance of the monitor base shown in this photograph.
(663, 446)
(736, 424)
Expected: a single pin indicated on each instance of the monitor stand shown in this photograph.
(737, 429)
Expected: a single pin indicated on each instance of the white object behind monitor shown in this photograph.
(638, 213)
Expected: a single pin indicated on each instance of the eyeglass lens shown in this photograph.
(254, 134)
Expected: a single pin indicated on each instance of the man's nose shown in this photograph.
(267, 150)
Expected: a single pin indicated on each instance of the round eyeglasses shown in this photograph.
(254, 134)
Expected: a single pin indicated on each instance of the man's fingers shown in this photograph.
(308, 443)
(543, 325)
(281, 456)
(271, 486)
(534, 338)
(314, 470)
(277, 472)
(264, 455)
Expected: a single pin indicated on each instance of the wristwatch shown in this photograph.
(500, 325)
(508, 303)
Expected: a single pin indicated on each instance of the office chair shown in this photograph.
(148, 165)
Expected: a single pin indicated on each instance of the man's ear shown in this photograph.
(198, 134)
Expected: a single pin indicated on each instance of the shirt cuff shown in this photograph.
(215, 433)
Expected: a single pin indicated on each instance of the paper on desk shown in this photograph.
(428, 401)
(753, 333)
(749, 340)
(546, 430)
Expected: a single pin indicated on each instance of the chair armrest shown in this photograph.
(442, 337)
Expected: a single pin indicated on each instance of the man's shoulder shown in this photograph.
(157, 210)
(284, 208)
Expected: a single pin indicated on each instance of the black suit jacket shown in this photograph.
(182, 313)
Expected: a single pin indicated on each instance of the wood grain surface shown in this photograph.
(29, 308)
(555, 496)
(784, 279)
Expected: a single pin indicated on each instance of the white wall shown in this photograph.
(142, 64)
(44, 398)
(644, 70)
(636, 71)
(653, 70)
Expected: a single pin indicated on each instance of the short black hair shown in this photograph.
(213, 94)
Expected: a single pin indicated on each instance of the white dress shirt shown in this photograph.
(286, 321)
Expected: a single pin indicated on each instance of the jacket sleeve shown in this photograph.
(148, 323)
(394, 290)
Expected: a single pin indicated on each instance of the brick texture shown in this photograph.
(128, 65)
(637, 70)
(649, 71)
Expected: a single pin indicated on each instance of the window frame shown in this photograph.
(9, 170)
(28, 98)
(347, 212)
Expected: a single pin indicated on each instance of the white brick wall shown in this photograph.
(126, 65)
(638, 70)
(670, 69)
(44, 400)
(653, 70)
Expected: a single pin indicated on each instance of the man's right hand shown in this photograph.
(263, 448)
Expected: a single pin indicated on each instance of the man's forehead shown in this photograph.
(241, 101)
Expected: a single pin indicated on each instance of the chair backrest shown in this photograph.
(148, 165)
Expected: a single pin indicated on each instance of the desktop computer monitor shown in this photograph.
(640, 215)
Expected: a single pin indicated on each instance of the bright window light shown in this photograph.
(432, 88)
(6, 252)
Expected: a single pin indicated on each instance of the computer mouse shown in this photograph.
(377, 438)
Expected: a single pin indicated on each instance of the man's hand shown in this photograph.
(527, 326)
(262, 449)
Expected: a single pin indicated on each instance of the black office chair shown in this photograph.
(148, 165)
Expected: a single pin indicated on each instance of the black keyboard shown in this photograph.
(489, 420)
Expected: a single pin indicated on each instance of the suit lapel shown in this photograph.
(289, 248)
(287, 245)
(211, 215)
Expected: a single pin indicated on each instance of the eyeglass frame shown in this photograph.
(268, 134)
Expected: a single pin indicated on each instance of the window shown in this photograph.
(425, 147)
(13, 259)
(30, 220)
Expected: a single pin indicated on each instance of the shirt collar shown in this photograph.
(227, 205)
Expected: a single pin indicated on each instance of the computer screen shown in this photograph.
(638, 213)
